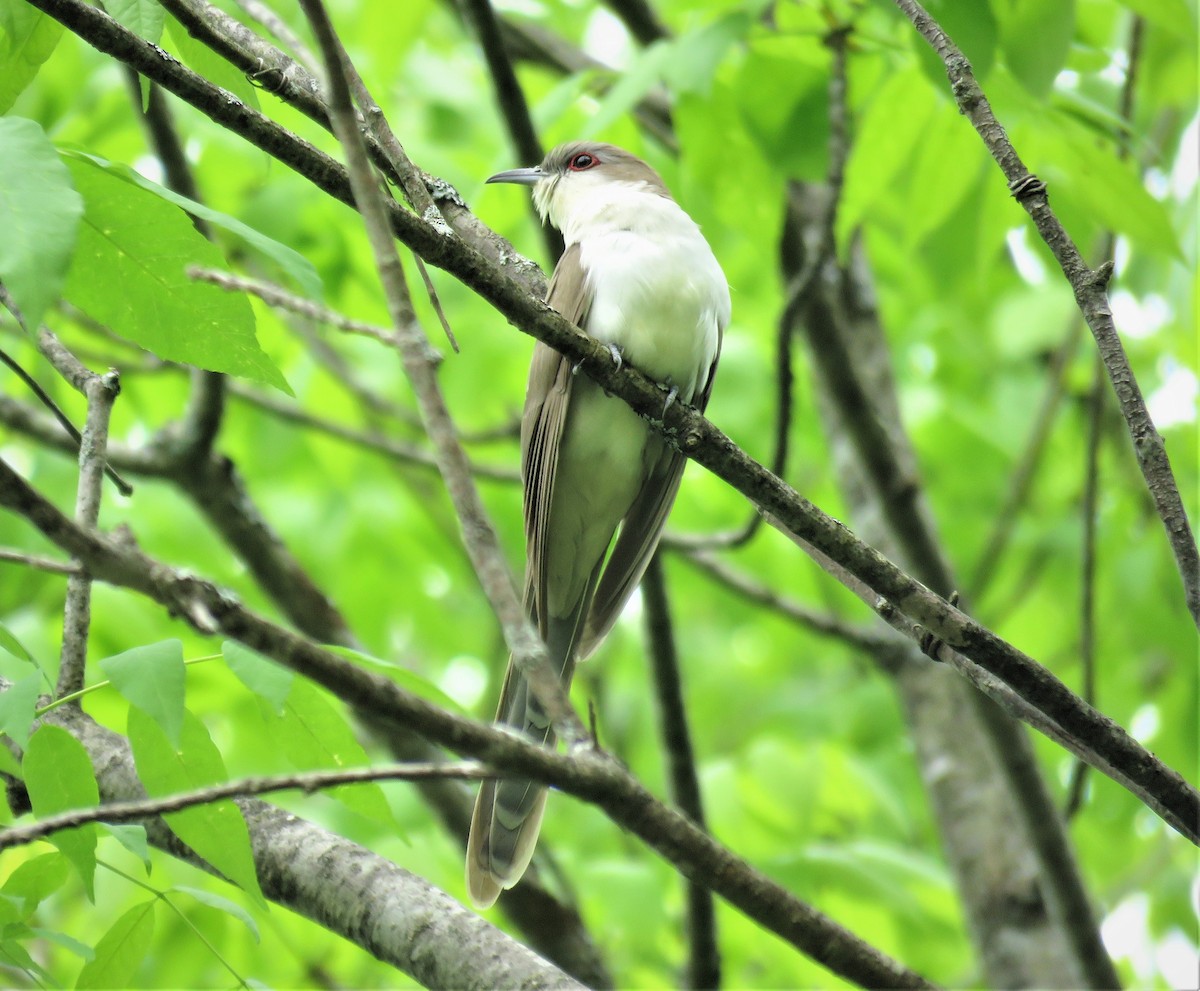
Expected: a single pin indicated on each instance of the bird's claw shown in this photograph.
(618, 358)
(672, 395)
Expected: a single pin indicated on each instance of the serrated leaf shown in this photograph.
(58, 776)
(143, 17)
(152, 678)
(37, 879)
(264, 677)
(133, 240)
(120, 951)
(215, 831)
(132, 836)
(29, 37)
(315, 735)
(224, 905)
(1036, 37)
(293, 264)
(18, 707)
(39, 215)
(14, 646)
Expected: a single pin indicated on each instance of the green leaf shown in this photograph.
(39, 215)
(264, 677)
(133, 240)
(37, 879)
(313, 734)
(402, 676)
(132, 837)
(14, 646)
(151, 677)
(794, 70)
(216, 831)
(293, 264)
(29, 37)
(143, 17)
(946, 168)
(1036, 38)
(1091, 180)
(693, 58)
(18, 707)
(893, 125)
(223, 905)
(121, 950)
(633, 84)
(58, 776)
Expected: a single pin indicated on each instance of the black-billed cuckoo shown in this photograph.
(638, 276)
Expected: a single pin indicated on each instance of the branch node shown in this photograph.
(1027, 187)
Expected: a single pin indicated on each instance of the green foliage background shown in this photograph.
(805, 762)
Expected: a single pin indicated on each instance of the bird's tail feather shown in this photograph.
(508, 811)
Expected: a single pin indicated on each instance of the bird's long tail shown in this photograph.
(508, 811)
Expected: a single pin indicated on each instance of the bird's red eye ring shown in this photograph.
(582, 162)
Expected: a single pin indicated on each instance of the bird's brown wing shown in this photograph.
(508, 812)
(547, 399)
(640, 531)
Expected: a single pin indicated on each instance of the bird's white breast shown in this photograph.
(658, 292)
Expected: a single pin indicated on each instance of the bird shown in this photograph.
(638, 276)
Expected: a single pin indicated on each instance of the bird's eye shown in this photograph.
(582, 162)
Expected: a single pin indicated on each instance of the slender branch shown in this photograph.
(13, 556)
(308, 782)
(704, 956)
(1021, 483)
(586, 773)
(1090, 289)
(275, 295)
(44, 398)
(1087, 604)
(101, 392)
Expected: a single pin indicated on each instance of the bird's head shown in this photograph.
(580, 176)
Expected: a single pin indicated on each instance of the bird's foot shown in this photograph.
(930, 644)
(618, 357)
(672, 395)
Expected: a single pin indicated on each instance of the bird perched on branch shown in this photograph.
(638, 276)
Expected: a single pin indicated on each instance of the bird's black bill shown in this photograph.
(522, 177)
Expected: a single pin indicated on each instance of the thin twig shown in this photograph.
(14, 556)
(704, 955)
(307, 781)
